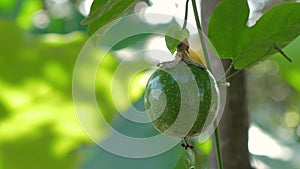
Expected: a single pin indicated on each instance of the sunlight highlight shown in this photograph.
(262, 144)
(84, 7)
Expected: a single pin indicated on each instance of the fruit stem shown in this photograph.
(203, 44)
(186, 14)
(186, 144)
(205, 52)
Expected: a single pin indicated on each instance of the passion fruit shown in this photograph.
(178, 98)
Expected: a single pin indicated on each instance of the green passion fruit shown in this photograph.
(178, 99)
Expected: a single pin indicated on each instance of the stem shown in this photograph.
(205, 52)
(186, 14)
(203, 44)
(186, 144)
(223, 78)
(238, 71)
(282, 53)
(218, 149)
(229, 69)
(233, 74)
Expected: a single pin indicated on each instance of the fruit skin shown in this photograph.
(163, 95)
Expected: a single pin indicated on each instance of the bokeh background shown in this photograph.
(39, 44)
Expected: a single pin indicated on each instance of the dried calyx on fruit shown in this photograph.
(178, 96)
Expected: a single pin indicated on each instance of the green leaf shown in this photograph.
(174, 36)
(133, 41)
(192, 159)
(279, 26)
(104, 11)
(227, 23)
(97, 9)
(247, 46)
(187, 160)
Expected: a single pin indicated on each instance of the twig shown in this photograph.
(186, 14)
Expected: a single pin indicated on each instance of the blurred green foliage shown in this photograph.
(38, 127)
(40, 43)
(49, 16)
(274, 94)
